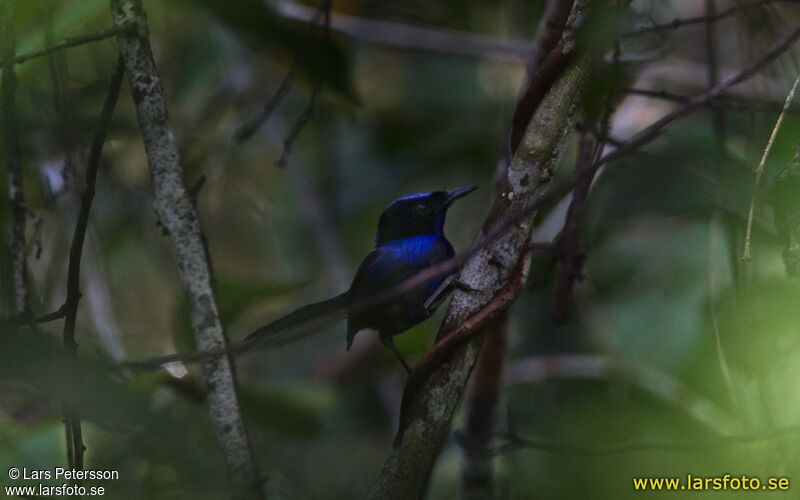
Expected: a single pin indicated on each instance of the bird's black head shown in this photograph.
(417, 214)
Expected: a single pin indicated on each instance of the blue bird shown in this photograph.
(410, 239)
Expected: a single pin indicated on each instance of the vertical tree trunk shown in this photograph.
(178, 216)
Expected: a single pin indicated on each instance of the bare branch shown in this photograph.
(305, 117)
(570, 254)
(705, 19)
(308, 113)
(654, 130)
(247, 129)
(403, 36)
(766, 106)
(72, 418)
(70, 42)
(179, 217)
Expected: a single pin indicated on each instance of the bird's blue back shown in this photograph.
(390, 264)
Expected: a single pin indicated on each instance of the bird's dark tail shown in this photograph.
(297, 324)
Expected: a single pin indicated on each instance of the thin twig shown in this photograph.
(60, 313)
(308, 113)
(16, 196)
(247, 129)
(305, 117)
(79, 235)
(746, 256)
(708, 18)
(72, 418)
(69, 42)
(569, 253)
(404, 36)
(732, 104)
(654, 130)
(26, 319)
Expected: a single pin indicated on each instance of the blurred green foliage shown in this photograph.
(663, 231)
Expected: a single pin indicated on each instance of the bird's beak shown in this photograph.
(458, 193)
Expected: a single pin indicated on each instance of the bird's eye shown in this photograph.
(421, 208)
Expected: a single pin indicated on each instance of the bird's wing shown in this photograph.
(396, 261)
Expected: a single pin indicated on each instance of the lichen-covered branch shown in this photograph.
(177, 214)
(429, 403)
(12, 159)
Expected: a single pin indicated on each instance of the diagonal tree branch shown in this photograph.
(13, 167)
(497, 270)
(69, 42)
(177, 214)
(477, 475)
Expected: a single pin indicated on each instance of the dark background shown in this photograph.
(664, 285)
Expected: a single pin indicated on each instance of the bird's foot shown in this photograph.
(446, 287)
